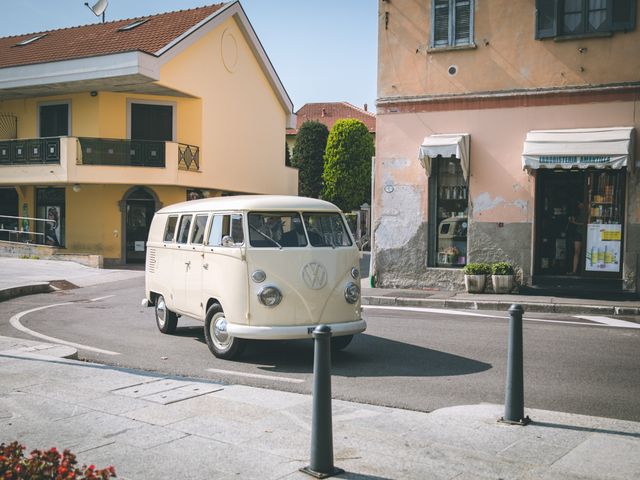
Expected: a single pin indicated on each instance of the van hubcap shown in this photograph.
(161, 311)
(220, 336)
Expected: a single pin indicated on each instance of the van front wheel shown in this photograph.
(166, 320)
(221, 344)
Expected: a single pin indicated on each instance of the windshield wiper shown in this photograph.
(251, 227)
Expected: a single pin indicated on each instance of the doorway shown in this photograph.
(139, 207)
(8, 211)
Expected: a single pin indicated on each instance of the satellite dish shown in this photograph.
(98, 8)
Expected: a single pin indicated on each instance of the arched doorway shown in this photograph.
(9, 207)
(138, 206)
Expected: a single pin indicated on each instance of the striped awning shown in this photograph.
(578, 148)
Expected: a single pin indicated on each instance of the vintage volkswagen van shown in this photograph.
(254, 267)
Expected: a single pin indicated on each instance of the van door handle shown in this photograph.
(205, 266)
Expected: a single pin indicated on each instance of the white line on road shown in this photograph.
(601, 324)
(612, 322)
(15, 322)
(256, 375)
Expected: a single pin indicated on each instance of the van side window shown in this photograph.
(226, 225)
(183, 230)
(170, 229)
(197, 237)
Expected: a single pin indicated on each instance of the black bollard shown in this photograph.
(514, 396)
(321, 465)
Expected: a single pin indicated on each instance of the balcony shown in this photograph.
(93, 160)
(36, 151)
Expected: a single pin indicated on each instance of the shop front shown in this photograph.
(579, 226)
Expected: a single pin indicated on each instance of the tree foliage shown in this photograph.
(287, 154)
(308, 157)
(347, 165)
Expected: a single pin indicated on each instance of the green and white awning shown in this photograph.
(578, 148)
(446, 145)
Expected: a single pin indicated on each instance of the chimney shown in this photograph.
(366, 108)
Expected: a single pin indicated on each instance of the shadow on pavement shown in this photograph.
(367, 356)
(585, 429)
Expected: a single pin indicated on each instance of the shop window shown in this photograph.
(451, 23)
(449, 207)
(50, 206)
(557, 18)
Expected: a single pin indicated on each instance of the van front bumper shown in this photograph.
(293, 332)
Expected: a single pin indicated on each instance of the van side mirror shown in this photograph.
(227, 241)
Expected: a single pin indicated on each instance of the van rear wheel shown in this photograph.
(166, 320)
(221, 344)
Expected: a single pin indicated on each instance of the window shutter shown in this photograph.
(623, 17)
(440, 23)
(546, 18)
(463, 33)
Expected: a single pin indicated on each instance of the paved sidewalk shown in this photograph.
(152, 427)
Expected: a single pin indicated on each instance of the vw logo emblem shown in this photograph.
(314, 275)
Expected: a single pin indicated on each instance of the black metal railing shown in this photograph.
(32, 151)
(135, 153)
(188, 157)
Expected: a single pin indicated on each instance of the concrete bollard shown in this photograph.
(321, 465)
(514, 396)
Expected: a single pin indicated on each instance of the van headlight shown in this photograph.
(352, 292)
(270, 296)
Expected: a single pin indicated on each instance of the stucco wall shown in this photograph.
(506, 55)
(500, 191)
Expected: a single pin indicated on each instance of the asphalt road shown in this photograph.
(419, 360)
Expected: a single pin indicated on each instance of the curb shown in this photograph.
(500, 305)
(21, 290)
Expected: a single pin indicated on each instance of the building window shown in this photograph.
(452, 23)
(53, 119)
(449, 204)
(152, 122)
(557, 18)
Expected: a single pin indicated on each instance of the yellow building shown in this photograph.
(101, 125)
(505, 132)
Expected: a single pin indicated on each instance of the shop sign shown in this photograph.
(603, 247)
(573, 159)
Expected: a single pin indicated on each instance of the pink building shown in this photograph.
(505, 132)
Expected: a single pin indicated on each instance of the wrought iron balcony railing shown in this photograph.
(33, 151)
(136, 153)
(188, 157)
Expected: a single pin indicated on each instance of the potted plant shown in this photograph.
(475, 276)
(502, 277)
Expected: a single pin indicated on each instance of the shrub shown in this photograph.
(46, 465)
(308, 157)
(501, 268)
(347, 165)
(477, 269)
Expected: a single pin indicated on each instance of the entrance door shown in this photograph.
(139, 210)
(8, 208)
(558, 195)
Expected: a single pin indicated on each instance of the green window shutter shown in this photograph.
(440, 23)
(546, 18)
(623, 16)
(463, 15)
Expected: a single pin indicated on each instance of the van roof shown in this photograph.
(251, 202)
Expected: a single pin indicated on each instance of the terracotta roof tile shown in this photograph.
(101, 38)
(329, 112)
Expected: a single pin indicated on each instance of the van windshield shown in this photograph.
(287, 229)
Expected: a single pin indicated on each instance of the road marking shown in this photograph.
(15, 322)
(611, 322)
(256, 375)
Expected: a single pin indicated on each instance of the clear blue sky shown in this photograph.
(323, 50)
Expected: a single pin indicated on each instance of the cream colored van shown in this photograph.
(254, 267)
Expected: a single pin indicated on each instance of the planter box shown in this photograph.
(475, 283)
(502, 283)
